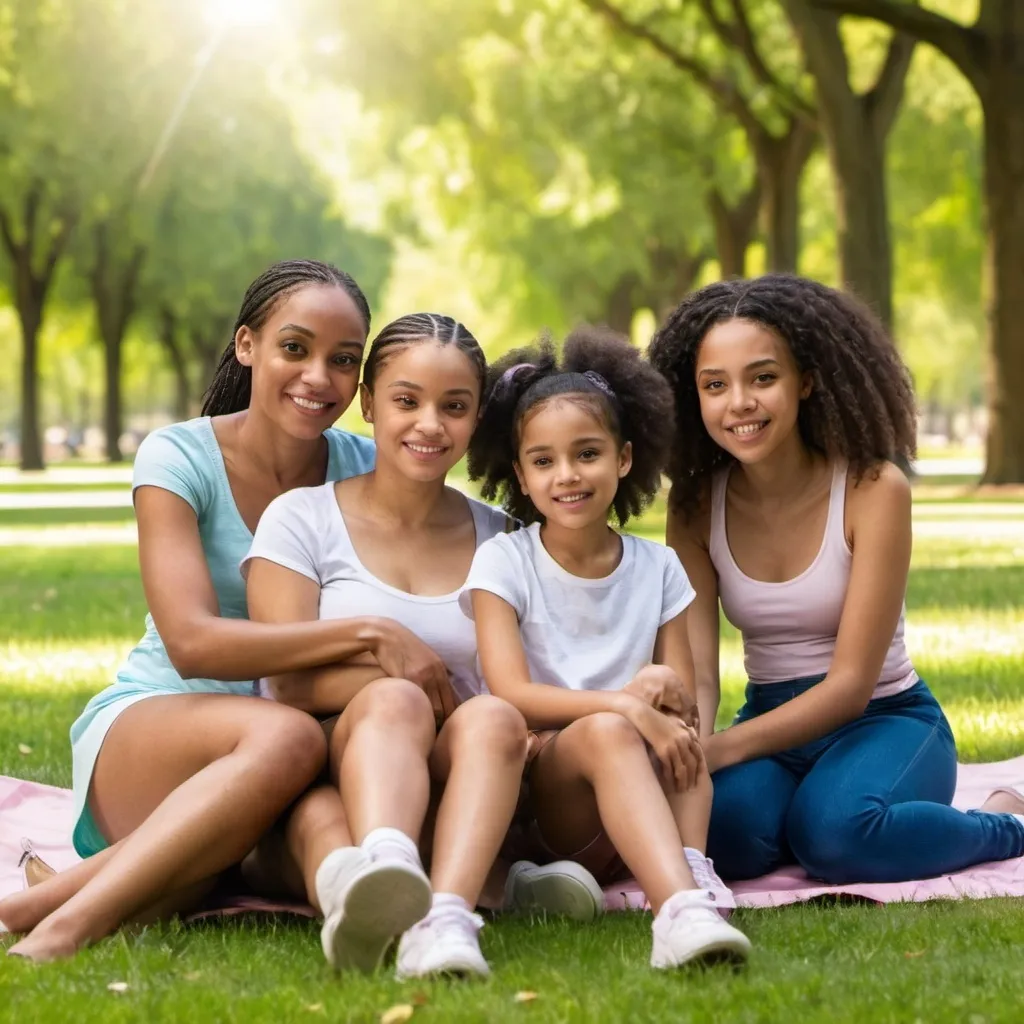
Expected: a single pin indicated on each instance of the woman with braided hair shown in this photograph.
(397, 543)
(178, 767)
(793, 411)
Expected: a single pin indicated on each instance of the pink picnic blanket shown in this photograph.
(43, 815)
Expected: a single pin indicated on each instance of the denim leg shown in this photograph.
(875, 806)
(747, 834)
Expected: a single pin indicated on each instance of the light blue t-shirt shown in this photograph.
(186, 460)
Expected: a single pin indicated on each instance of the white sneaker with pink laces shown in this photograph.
(688, 929)
(446, 941)
(703, 870)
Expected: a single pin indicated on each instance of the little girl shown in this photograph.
(599, 617)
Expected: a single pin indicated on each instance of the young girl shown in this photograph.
(178, 768)
(397, 544)
(598, 618)
(792, 407)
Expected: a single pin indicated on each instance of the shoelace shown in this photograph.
(443, 917)
(705, 905)
(704, 875)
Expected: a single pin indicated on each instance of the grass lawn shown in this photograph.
(69, 615)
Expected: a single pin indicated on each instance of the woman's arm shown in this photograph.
(689, 540)
(879, 516)
(276, 594)
(202, 644)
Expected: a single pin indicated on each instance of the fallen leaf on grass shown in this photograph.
(920, 952)
(315, 1007)
(397, 1014)
(24, 749)
(118, 986)
(524, 997)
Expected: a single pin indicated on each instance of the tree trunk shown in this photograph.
(734, 229)
(673, 277)
(620, 305)
(113, 288)
(179, 365)
(30, 313)
(112, 421)
(990, 54)
(856, 128)
(865, 245)
(1004, 192)
(781, 162)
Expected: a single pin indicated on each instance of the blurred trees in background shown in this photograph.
(523, 164)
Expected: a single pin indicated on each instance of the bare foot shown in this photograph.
(42, 947)
(1004, 801)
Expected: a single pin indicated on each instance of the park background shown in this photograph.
(522, 165)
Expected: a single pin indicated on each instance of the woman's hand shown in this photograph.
(661, 688)
(403, 655)
(675, 744)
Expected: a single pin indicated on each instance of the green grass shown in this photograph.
(70, 614)
(36, 517)
(50, 488)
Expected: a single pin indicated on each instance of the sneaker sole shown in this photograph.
(721, 951)
(454, 968)
(560, 891)
(379, 906)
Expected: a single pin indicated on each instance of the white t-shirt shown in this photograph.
(579, 633)
(304, 530)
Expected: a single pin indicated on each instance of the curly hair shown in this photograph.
(861, 407)
(600, 370)
(416, 327)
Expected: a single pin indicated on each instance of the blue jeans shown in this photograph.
(866, 803)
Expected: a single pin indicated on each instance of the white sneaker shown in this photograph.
(688, 929)
(446, 941)
(704, 874)
(563, 888)
(366, 905)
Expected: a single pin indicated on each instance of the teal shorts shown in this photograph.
(87, 837)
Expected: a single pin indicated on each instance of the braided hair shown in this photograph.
(416, 327)
(861, 407)
(231, 387)
(600, 370)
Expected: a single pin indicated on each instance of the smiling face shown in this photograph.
(424, 408)
(570, 463)
(750, 389)
(305, 359)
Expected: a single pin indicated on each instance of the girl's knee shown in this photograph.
(392, 703)
(487, 721)
(608, 731)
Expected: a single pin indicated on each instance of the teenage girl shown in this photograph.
(583, 629)
(397, 543)
(178, 768)
(792, 411)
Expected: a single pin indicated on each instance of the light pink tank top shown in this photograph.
(789, 629)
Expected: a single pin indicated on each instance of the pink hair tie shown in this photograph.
(509, 375)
